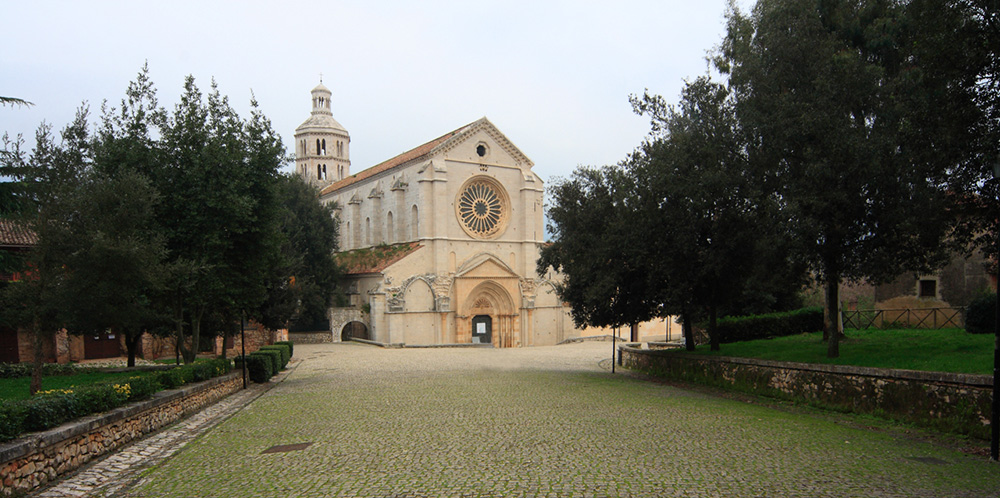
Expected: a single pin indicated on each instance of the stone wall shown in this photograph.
(31, 461)
(958, 403)
(310, 337)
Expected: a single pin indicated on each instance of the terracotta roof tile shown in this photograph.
(374, 259)
(14, 235)
(410, 155)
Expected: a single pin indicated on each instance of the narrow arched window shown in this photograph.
(414, 223)
(368, 231)
(390, 235)
(324, 146)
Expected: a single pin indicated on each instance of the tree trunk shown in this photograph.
(39, 357)
(179, 339)
(832, 298)
(688, 329)
(713, 334)
(191, 353)
(132, 344)
(634, 332)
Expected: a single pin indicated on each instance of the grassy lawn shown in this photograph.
(15, 389)
(946, 350)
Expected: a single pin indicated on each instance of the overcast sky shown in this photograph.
(554, 76)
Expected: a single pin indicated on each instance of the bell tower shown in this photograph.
(322, 145)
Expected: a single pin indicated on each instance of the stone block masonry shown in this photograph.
(957, 403)
(33, 460)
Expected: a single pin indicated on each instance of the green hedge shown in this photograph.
(748, 328)
(48, 409)
(15, 370)
(258, 367)
(980, 316)
(286, 354)
(276, 363)
(291, 347)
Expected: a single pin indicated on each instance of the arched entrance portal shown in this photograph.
(489, 315)
(354, 330)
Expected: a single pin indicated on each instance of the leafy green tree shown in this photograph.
(697, 194)
(49, 178)
(818, 87)
(597, 249)
(301, 288)
(116, 268)
(219, 210)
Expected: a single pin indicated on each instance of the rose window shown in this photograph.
(482, 207)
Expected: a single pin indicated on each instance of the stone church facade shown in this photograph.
(441, 241)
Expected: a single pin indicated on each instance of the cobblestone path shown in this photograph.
(537, 422)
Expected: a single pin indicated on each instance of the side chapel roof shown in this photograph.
(374, 259)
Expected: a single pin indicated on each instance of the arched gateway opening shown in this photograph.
(354, 330)
(490, 317)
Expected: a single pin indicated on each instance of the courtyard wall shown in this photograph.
(950, 402)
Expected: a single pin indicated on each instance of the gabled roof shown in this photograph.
(444, 142)
(14, 235)
(374, 259)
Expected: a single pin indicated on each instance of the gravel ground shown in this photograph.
(548, 421)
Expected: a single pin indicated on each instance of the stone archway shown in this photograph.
(490, 308)
(354, 330)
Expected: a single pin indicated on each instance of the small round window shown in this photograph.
(481, 150)
(482, 208)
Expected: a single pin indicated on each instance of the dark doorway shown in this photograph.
(102, 345)
(482, 329)
(354, 330)
(8, 346)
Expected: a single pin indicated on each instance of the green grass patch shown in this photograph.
(15, 389)
(946, 350)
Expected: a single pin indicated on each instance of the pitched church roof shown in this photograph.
(423, 151)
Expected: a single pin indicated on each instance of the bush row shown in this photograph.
(267, 361)
(15, 370)
(747, 328)
(49, 409)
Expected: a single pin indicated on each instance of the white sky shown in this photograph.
(554, 76)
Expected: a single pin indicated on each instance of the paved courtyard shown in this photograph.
(547, 421)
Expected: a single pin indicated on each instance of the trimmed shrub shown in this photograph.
(748, 328)
(258, 367)
(980, 316)
(276, 363)
(11, 420)
(291, 347)
(142, 387)
(270, 361)
(15, 370)
(202, 371)
(286, 354)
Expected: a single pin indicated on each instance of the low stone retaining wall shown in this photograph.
(33, 460)
(310, 337)
(958, 403)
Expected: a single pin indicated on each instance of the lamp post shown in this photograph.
(995, 409)
(243, 347)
